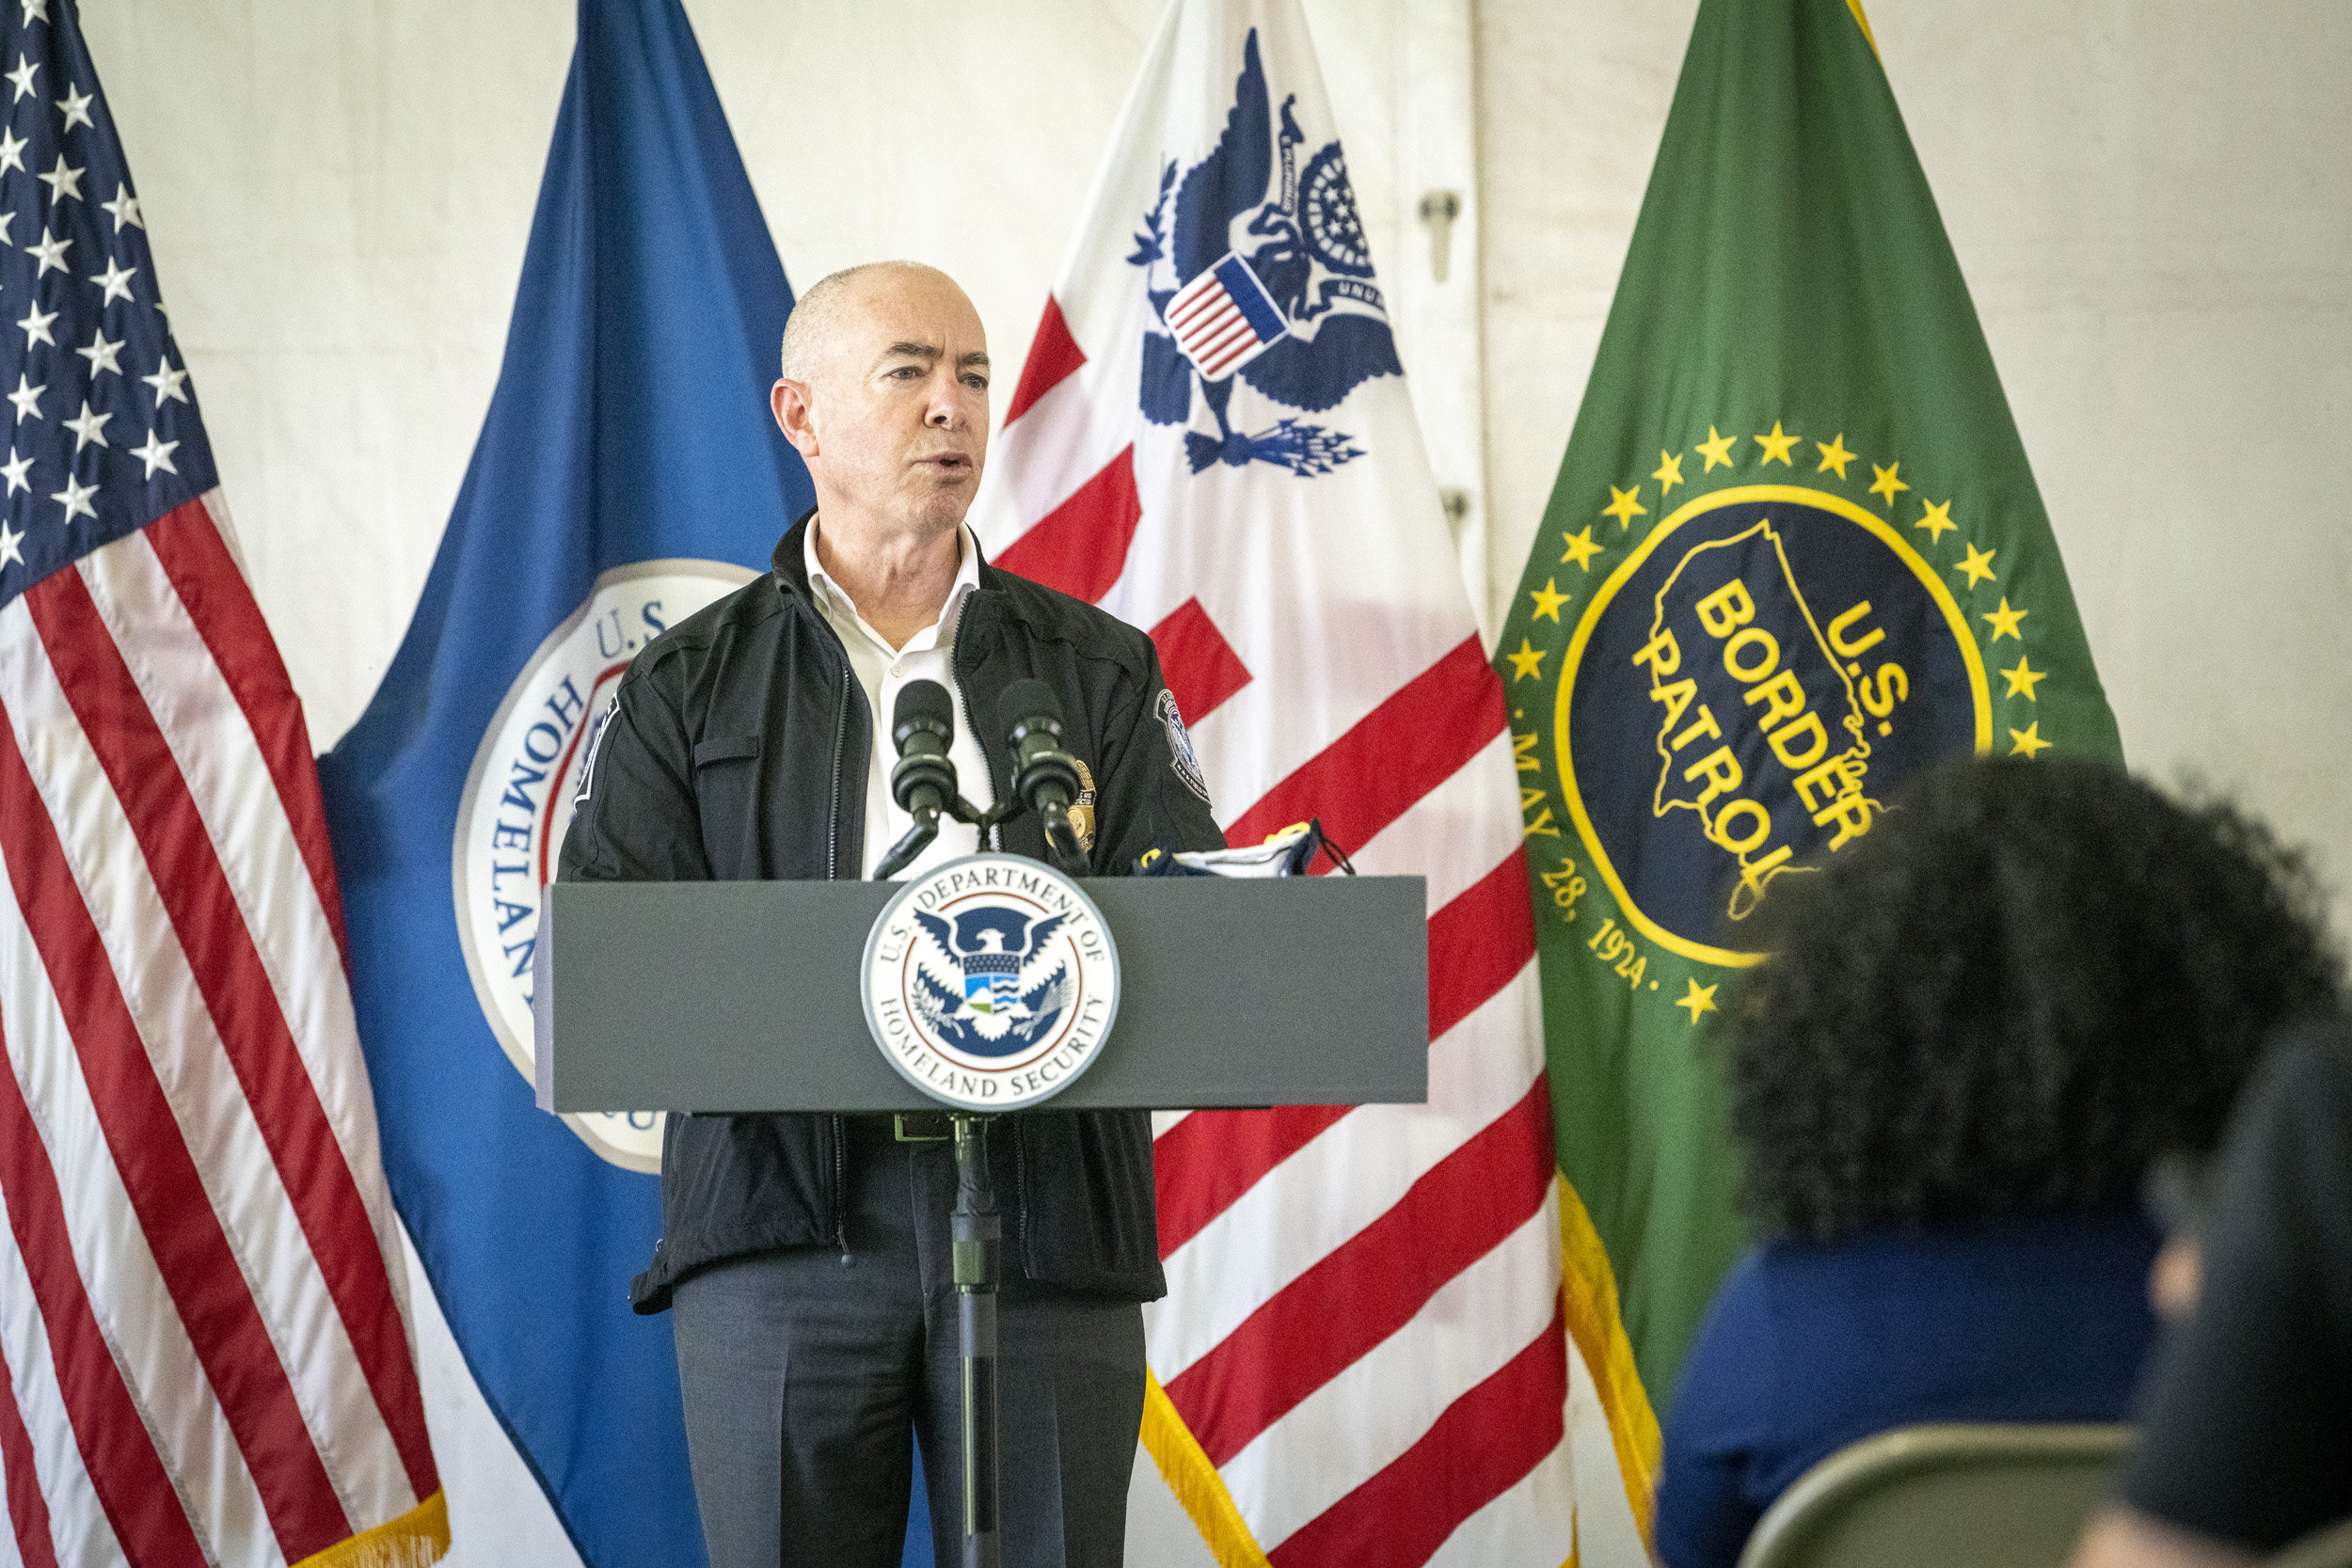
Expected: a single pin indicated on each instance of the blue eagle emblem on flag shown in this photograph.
(1259, 272)
(990, 1002)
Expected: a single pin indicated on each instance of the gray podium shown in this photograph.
(718, 997)
(743, 996)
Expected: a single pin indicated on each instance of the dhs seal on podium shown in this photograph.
(990, 982)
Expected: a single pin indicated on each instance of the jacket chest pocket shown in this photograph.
(727, 785)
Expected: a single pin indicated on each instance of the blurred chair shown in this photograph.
(1943, 1497)
(2331, 1547)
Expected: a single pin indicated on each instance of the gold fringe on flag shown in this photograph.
(1855, 7)
(417, 1539)
(1589, 1287)
(1195, 1483)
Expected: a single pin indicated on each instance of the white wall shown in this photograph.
(2155, 213)
(2152, 202)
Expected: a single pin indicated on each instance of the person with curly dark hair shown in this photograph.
(1978, 1029)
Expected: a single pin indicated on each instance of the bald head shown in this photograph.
(884, 395)
(812, 332)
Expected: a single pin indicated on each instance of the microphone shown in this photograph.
(923, 782)
(1044, 777)
(922, 727)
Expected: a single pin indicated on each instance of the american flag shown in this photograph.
(202, 1305)
(1224, 318)
(1361, 1359)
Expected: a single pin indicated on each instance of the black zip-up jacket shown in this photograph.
(737, 749)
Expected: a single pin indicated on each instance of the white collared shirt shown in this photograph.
(883, 671)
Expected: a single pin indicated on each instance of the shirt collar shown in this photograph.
(836, 602)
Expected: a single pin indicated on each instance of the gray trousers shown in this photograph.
(803, 1373)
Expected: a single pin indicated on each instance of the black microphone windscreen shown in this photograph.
(924, 700)
(1025, 700)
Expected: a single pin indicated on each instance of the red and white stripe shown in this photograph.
(1362, 1330)
(202, 1304)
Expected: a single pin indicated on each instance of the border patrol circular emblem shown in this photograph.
(1733, 700)
(528, 774)
(990, 982)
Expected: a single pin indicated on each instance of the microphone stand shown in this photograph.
(976, 1228)
(918, 838)
(1061, 841)
(977, 1235)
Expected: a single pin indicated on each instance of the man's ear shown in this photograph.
(789, 401)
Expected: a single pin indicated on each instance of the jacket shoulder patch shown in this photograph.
(1181, 756)
(595, 743)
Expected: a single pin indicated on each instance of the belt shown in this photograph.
(922, 1127)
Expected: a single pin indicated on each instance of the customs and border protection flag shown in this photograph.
(1360, 1359)
(204, 1351)
(628, 474)
(1795, 556)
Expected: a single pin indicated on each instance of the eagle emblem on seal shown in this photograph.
(983, 986)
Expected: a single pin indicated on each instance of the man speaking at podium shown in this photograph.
(805, 1258)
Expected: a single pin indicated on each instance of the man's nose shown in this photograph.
(946, 404)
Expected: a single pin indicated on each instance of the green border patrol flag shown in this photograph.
(1795, 556)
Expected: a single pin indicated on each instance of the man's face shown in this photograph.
(896, 415)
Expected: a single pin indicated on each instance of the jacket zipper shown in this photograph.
(841, 745)
(833, 873)
(840, 1186)
(1021, 1186)
(964, 695)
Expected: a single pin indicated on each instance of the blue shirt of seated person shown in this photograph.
(1809, 1348)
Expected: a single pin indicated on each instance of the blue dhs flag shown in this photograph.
(628, 474)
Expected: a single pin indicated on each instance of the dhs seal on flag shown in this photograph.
(990, 982)
(528, 774)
